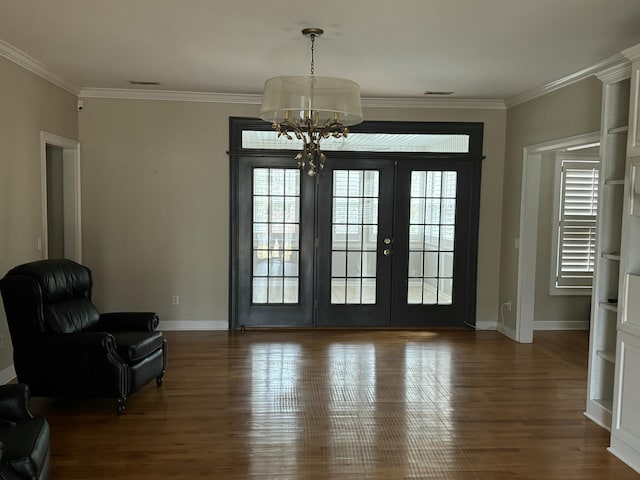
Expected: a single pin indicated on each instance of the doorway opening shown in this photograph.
(60, 185)
(534, 156)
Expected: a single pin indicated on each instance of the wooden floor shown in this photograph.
(345, 405)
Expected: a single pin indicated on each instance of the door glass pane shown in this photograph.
(354, 236)
(431, 237)
(276, 236)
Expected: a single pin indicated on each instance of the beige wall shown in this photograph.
(155, 193)
(28, 105)
(570, 111)
(155, 189)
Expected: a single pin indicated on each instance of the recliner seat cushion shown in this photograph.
(26, 447)
(136, 345)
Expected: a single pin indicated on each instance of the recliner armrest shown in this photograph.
(76, 342)
(14, 402)
(123, 321)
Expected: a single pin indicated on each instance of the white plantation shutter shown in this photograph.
(577, 224)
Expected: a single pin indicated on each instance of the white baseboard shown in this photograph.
(194, 325)
(482, 326)
(507, 331)
(561, 325)
(7, 375)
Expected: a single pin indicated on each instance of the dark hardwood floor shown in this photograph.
(344, 404)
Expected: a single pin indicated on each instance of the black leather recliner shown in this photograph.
(63, 347)
(24, 439)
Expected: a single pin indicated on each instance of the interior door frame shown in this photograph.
(72, 192)
(475, 131)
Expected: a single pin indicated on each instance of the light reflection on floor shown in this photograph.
(337, 405)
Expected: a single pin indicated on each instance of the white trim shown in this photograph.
(528, 235)
(170, 95)
(34, 66)
(632, 53)
(71, 158)
(507, 331)
(614, 61)
(615, 74)
(561, 325)
(7, 375)
(256, 99)
(419, 102)
(31, 64)
(527, 249)
(624, 453)
(177, 325)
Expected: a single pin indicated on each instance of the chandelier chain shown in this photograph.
(313, 41)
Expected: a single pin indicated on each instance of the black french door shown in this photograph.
(377, 240)
(274, 238)
(396, 243)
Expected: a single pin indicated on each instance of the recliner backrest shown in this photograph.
(64, 288)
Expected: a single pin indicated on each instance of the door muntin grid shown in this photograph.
(432, 228)
(276, 236)
(354, 236)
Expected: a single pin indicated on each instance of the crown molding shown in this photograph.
(419, 102)
(34, 66)
(615, 74)
(256, 99)
(170, 95)
(632, 53)
(614, 61)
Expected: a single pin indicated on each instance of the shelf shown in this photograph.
(612, 307)
(615, 181)
(618, 129)
(606, 404)
(607, 355)
(612, 256)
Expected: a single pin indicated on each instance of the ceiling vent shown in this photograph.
(141, 82)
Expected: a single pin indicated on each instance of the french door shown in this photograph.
(377, 240)
(395, 243)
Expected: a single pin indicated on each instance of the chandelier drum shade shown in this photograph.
(311, 108)
(293, 98)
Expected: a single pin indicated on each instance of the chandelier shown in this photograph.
(311, 108)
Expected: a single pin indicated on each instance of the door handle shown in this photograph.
(388, 241)
(387, 252)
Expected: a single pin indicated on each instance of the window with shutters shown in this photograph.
(574, 235)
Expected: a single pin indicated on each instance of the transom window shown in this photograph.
(364, 142)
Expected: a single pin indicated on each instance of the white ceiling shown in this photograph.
(480, 49)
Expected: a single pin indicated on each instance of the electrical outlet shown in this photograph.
(175, 300)
(508, 305)
(1, 342)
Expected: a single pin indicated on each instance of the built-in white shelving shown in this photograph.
(625, 424)
(605, 291)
